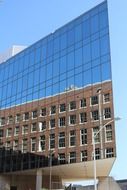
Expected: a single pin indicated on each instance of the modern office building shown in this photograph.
(54, 97)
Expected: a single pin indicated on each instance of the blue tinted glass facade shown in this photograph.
(77, 54)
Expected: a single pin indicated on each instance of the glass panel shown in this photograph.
(78, 33)
(70, 37)
(94, 24)
(104, 42)
(78, 57)
(86, 53)
(106, 71)
(86, 28)
(103, 22)
(95, 49)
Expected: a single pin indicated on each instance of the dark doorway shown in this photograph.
(13, 188)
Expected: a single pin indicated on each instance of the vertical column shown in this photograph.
(39, 179)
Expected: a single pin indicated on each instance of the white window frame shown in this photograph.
(64, 110)
(40, 126)
(50, 141)
(7, 132)
(80, 117)
(32, 131)
(51, 110)
(85, 157)
(24, 116)
(109, 130)
(59, 138)
(33, 142)
(91, 100)
(110, 153)
(80, 103)
(33, 114)
(72, 136)
(94, 134)
(60, 122)
(105, 114)
(43, 141)
(105, 102)
(92, 119)
(70, 106)
(1, 121)
(15, 133)
(72, 157)
(70, 119)
(17, 120)
(84, 134)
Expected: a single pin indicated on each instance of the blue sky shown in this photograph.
(24, 22)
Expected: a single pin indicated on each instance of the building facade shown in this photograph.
(49, 102)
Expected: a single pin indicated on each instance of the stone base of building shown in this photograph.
(108, 183)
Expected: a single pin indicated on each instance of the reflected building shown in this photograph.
(49, 103)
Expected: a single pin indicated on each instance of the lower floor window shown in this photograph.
(33, 144)
(72, 157)
(61, 158)
(97, 154)
(25, 145)
(83, 155)
(109, 153)
(52, 141)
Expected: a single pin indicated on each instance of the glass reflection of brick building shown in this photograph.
(49, 103)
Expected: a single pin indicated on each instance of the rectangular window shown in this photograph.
(94, 100)
(84, 155)
(8, 145)
(42, 126)
(72, 105)
(33, 144)
(10, 119)
(52, 141)
(62, 107)
(24, 129)
(97, 154)
(109, 152)
(83, 117)
(61, 139)
(34, 114)
(43, 112)
(107, 113)
(2, 121)
(26, 116)
(72, 138)
(83, 133)
(18, 118)
(1, 132)
(83, 103)
(95, 115)
(25, 145)
(33, 127)
(16, 131)
(72, 119)
(96, 136)
(72, 157)
(52, 123)
(53, 109)
(108, 132)
(106, 97)
(16, 145)
(62, 121)
(61, 158)
(42, 143)
(9, 132)
(1, 144)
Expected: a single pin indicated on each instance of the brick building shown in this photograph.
(50, 107)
